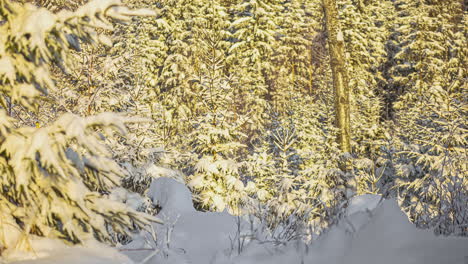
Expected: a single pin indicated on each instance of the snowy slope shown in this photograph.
(374, 231)
(196, 237)
(386, 237)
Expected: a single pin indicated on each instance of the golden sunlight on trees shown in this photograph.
(280, 112)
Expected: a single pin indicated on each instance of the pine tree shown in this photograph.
(254, 36)
(217, 137)
(366, 30)
(429, 76)
(55, 178)
(292, 59)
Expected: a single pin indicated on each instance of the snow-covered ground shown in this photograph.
(373, 231)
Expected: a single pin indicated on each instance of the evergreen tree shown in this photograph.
(254, 36)
(55, 178)
(292, 58)
(429, 74)
(216, 138)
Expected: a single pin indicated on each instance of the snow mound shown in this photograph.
(377, 231)
(360, 209)
(373, 230)
(389, 238)
(187, 236)
(363, 203)
(172, 196)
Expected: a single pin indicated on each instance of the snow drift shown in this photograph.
(374, 230)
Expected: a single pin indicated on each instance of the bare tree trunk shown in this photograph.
(340, 76)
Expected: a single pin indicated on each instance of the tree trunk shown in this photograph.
(340, 76)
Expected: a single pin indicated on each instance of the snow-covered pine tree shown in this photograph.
(216, 139)
(323, 180)
(165, 54)
(292, 59)
(274, 169)
(254, 32)
(365, 33)
(175, 82)
(295, 171)
(429, 78)
(132, 62)
(54, 179)
(158, 85)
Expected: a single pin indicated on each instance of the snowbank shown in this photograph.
(187, 236)
(385, 236)
(373, 231)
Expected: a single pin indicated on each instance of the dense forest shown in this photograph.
(280, 109)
